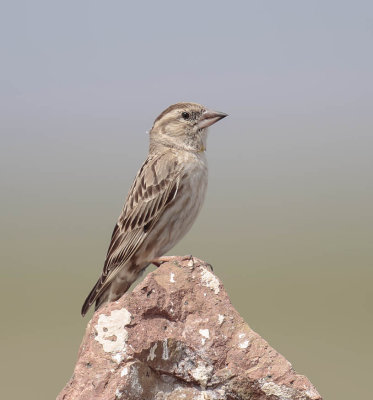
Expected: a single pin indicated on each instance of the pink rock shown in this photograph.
(177, 336)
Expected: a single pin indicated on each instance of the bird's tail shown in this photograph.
(104, 292)
(91, 298)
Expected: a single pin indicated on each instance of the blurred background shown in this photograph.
(288, 221)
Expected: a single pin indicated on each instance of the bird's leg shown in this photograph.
(160, 260)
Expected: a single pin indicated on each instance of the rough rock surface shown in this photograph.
(177, 336)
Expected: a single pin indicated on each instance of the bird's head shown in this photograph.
(184, 126)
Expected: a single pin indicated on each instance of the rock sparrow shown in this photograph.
(163, 202)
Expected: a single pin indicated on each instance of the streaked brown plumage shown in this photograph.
(163, 201)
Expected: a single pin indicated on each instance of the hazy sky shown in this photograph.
(115, 59)
(289, 205)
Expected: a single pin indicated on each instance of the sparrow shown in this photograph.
(163, 202)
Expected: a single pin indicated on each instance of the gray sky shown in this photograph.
(115, 59)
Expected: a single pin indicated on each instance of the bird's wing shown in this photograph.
(154, 187)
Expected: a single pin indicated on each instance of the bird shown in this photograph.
(163, 202)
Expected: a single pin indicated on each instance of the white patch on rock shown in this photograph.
(220, 318)
(191, 263)
(112, 326)
(165, 350)
(312, 393)
(151, 355)
(210, 280)
(281, 391)
(118, 357)
(134, 379)
(245, 343)
(118, 394)
(124, 371)
(202, 373)
(205, 333)
(172, 277)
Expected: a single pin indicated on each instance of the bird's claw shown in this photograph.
(177, 259)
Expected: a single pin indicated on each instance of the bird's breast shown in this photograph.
(180, 214)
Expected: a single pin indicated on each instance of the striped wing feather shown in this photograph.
(154, 187)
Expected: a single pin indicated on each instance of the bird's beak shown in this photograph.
(209, 117)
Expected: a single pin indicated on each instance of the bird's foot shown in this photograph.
(177, 259)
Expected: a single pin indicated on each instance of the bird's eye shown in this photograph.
(185, 115)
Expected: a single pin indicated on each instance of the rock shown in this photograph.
(177, 336)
